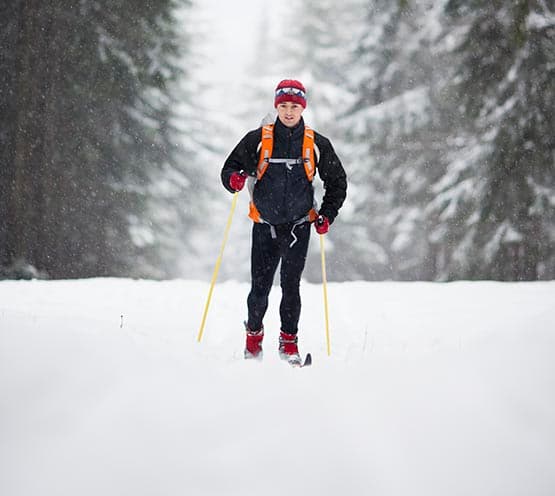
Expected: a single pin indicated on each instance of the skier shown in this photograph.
(280, 159)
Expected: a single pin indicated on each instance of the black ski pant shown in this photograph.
(290, 246)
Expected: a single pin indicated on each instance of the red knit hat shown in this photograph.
(290, 90)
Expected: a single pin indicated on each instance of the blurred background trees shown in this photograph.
(447, 135)
(89, 137)
(442, 112)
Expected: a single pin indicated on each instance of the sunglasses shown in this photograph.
(290, 91)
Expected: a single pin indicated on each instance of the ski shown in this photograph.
(307, 362)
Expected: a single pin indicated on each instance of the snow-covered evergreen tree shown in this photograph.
(179, 189)
(496, 199)
(90, 131)
(396, 135)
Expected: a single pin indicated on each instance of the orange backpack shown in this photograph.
(266, 147)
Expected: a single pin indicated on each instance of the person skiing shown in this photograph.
(280, 160)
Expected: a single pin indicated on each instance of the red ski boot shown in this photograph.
(253, 347)
(288, 349)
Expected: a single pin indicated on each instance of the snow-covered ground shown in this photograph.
(431, 389)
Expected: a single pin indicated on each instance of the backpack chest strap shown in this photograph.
(286, 161)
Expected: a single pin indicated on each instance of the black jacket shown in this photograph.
(284, 193)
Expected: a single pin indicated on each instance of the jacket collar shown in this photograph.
(289, 132)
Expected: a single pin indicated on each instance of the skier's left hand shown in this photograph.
(322, 224)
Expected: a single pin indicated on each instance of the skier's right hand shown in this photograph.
(322, 224)
(237, 181)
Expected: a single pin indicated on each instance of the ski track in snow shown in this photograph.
(431, 389)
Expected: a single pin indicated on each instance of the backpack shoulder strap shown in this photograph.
(308, 153)
(266, 146)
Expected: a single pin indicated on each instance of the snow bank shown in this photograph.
(431, 389)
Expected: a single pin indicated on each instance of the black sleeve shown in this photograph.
(333, 176)
(244, 157)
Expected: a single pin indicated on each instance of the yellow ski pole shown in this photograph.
(324, 285)
(217, 266)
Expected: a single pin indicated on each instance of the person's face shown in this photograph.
(289, 113)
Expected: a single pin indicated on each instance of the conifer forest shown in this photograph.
(442, 112)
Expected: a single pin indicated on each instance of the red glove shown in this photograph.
(237, 180)
(322, 224)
